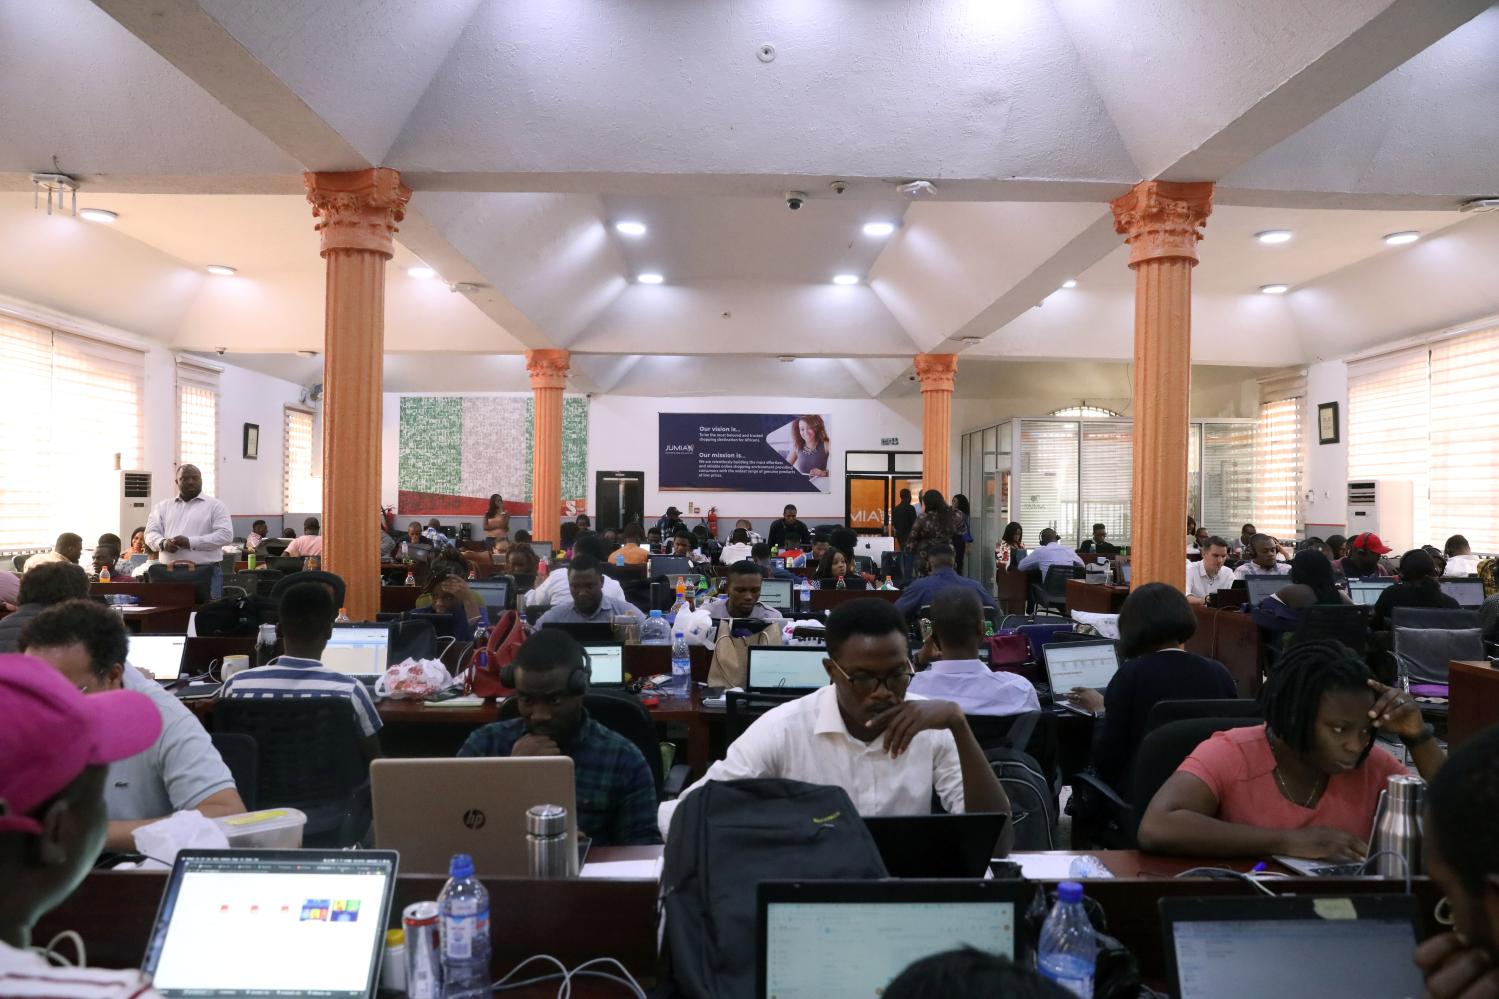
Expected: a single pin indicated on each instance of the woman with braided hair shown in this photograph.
(1306, 782)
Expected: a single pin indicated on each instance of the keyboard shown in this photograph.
(1349, 870)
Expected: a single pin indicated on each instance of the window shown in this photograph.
(1277, 456)
(1084, 412)
(1465, 440)
(72, 421)
(1108, 452)
(1227, 477)
(1048, 478)
(1388, 432)
(198, 420)
(301, 491)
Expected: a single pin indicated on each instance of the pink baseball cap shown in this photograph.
(50, 732)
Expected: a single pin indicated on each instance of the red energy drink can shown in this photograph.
(423, 954)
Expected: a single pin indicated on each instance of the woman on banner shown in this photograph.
(809, 447)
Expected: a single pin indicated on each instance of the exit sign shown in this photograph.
(889, 442)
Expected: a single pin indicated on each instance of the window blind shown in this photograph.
(1106, 468)
(301, 491)
(1464, 462)
(1194, 473)
(1227, 477)
(198, 421)
(1048, 478)
(1388, 425)
(1277, 456)
(26, 436)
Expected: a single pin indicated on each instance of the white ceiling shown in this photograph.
(527, 130)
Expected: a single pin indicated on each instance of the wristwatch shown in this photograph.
(1427, 734)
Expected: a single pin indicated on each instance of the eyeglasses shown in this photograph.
(865, 684)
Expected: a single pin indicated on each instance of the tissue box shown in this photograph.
(271, 829)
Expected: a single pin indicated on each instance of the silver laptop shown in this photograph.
(1079, 664)
(786, 668)
(1365, 592)
(1466, 590)
(431, 809)
(360, 650)
(1262, 586)
(157, 656)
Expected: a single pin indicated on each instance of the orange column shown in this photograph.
(357, 215)
(936, 372)
(1160, 220)
(548, 370)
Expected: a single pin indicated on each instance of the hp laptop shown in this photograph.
(431, 809)
(1466, 590)
(360, 649)
(1079, 664)
(851, 938)
(937, 846)
(776, 593)
(774, 667)
(293, 923)
(157, 656)
(1262, 586)
(1365, 592)
(1307, 947)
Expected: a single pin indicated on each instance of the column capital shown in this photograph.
(358, 209)
(548, 368)
(936, 371)
(1161, 218)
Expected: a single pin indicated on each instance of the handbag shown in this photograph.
(482, 679)
(1008, 648)
(731, 654)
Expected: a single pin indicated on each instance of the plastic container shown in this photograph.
(464, 920)
(1068, 949)
(655, 630)
(393, 967)
(270, 829)
(681, 665)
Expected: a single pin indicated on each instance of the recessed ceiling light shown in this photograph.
(878, 228)
(1275, 289)
(1070, 283)
(98, 214)
(630, 228)
(220, 270)
(845, 279)
(649, 278)
(1274, 236)
(421, 273)
(1401, 238)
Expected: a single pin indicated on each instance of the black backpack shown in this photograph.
(1032, 804)
(235, 617)
(724, 839)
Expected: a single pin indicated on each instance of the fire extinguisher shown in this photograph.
(712, 521)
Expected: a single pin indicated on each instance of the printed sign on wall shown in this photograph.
(745, 452)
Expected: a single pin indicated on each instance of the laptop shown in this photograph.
(157, 656)
(495, 593)
(285, 563)
(937, 846)
(1290, 947)
(358, 649)
(777, 593)
(586, 632)
(1262, 586)
(1365, 592)
(543, 550)
(606, 665)
(431, 809)
(851, 938)
(320, 914)
(1466, 590)
(1078, 664)
(774, 667)
(670, 565)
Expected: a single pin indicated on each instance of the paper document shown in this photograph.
(630, 870)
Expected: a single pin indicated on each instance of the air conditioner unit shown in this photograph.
(135, 502)
(1385, 507)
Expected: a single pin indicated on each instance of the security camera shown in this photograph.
(794, 199)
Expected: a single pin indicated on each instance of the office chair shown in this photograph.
(742, 708)
(18, 562)
(272, 547)
(240, 754)
(1424, 641)
(1052, 593)
(199, 576)
(1166, 712)
(1343, 623)
(1033, 733)
(309, 758)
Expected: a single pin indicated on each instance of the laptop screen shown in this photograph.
(542, 550)
(494, 592)
(607, 663)
(1260, 587)
(670, 565)
(1467, 591)
(359, 650)
(321, 915)
(776, 593)
(770, 667)
(1080, 664)
(1365, 592)
(157, 656)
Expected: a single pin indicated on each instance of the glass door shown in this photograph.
(867, 499)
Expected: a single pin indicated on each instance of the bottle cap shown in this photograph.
(395, 937)
(546, 820)
(1069, 891)
(655, 613)
(461, 866)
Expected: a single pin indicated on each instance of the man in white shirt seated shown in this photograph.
(191, 527)
(1460, 558)
(1051, 552)
(957, 673)
(865, 734)
(68, 548)
(310, 542)
(1264, 559)
(738, 549)
(554, 590)
(1210, 575)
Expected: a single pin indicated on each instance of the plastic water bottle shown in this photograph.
(655, 630)
(1069, 947)
(463, 923)
(343, 616)
(806, 593)
(681, 666)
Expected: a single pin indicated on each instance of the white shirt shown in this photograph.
(1055, 553)
(735, 551)
(806, 740)
(975, 688)
(203, 520)
(553, 590)
(1250, 569)
(24, 973)
(1462, 565)
(1200, 584)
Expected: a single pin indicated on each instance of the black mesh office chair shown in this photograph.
(1344, 623)
(199, 576)
(1425, 641)
(742, 708)
(1052, 593)
(1166, 712)
(309, 757)
(241, 755)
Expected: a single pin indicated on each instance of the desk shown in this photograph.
(142, 620)
(1232, 638)
(1095, 598)
(1473, 699)
(1012, 590)
(826, 600)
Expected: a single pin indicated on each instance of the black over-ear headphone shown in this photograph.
(577, 679)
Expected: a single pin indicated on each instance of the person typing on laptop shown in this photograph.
(864, 733)
(616, 793)
(305, 623)
(956, 673)
(1306, 783)
(180, 770)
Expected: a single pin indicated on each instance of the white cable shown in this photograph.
(627, 977)
(501, 984)
(50, 954)
(1404, 864)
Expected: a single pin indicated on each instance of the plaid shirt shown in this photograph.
(615, 790)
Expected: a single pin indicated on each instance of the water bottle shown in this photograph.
(806, 594)
(104, 574)
(265, 644)
(681, 666)
(1069, 948)
(343, 616)
(464, 925)
(1395, 845)
(840, 585)
(655, 630)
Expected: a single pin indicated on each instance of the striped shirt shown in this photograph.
(24, 974)
(288, 676)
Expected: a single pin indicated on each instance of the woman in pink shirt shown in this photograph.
(1305, 783)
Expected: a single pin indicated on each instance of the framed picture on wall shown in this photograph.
(1327, 423)
(252, 440)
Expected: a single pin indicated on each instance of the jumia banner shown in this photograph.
(745, 452)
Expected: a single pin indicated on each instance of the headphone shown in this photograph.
(577, 679)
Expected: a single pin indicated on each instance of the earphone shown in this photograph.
(577, 679)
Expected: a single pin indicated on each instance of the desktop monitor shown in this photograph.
(1466, 590)
(358, 649)
(1080, 664)
(1262, 586)
(607, 665)
(776, 667)
(776, 593)
(1365, 592)
(157, 656)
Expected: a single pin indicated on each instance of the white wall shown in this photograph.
(252, 488)
(1325, 466)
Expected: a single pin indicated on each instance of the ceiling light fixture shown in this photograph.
(57, 185)
(1273, 236)
(1070, 283)
(649, 278)
(630, 228)
(1401, 238)
(878, 229)
(1480, 205)
(421, 273)
(1275, 289)
(98, 214)
(845, 279)
(221, 270)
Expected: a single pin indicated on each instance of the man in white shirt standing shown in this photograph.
(1052, 552)
(1210, 575)
(958, 674)
(863, 733)
(191, 527)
